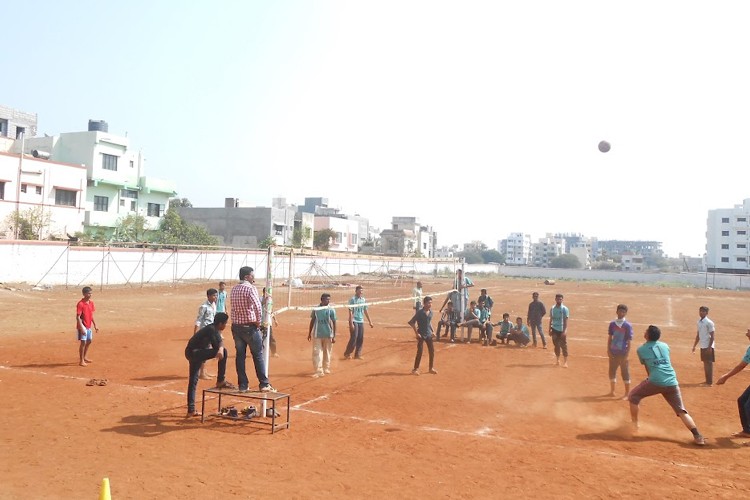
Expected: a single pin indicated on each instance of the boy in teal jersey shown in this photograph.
(505, 327)
(662, 379)
(519, 333)
(323, 323)
(743, 402)
(558, 329)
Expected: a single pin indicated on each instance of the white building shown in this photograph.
(546, 249)
(517, 249)
(408, 237)
(727, 241)
(347, 233)
(117, 183)
(53, 189)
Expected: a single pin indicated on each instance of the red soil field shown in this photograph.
(495, 422)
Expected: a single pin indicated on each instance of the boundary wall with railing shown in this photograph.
(699, 280)
(59, 263)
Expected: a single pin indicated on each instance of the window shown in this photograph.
(741, 219)
(741, 259)
(725, 220)
(741, 232)
(4, 128)
(24, 188)
(101, 203)
(725, 259)
(2, 190)
(133, 205)
(20, 131)
(38, 189)
(353, 239)
(741, 245)
(109, 162)
(725, 246)
(129, 193)
(339, 238)
(725, 233)
(155, 210)
(132, 163)
(65, 197)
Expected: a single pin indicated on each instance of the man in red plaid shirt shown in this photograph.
(246, 314)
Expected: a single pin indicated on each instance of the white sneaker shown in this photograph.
(317, 375)
(327, 371)
(267, 388)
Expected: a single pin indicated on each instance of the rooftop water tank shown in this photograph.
(98, 126)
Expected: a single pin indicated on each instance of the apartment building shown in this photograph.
(117, 185)
(727, 239)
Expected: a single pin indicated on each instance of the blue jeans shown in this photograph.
(197, 358)
(356, 339)
(535, 326)
(245, 336)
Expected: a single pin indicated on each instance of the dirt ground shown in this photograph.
(495, 422)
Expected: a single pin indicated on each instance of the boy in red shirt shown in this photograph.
(84, 321)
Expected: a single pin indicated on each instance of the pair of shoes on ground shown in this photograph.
(97, 381)
(192, 414)
(415, 371)
(317, 374)
(224, 384)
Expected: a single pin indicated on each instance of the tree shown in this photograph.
(472, 257)
(493, 256)
(180, 203)
(322, 238)
(132, 227)
(566, 261)
(173, 230)
(30, 224)
(301, 236)
(267, 242)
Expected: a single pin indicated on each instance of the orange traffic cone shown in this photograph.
(104, 493)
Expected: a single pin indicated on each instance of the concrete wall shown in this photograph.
(236, 227)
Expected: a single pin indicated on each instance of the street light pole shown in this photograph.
(18, 186)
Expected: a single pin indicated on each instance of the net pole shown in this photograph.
(289, 278)
(266, 320)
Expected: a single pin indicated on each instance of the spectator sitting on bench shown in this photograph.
(471, 320)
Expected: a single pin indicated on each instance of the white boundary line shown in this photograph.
(485, 432)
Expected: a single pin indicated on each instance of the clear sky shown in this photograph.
(480, 118)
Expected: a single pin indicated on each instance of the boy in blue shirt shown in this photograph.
(505, 328)
(519, 333)
(421, 323)
(662, 379)
(618, 348)
(323, 322)
(558, 329)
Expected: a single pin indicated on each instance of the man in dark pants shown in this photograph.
(246, 314)
(206, 344)
(421, 323)
(536, 312)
